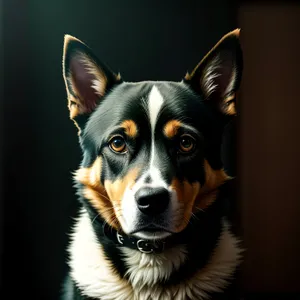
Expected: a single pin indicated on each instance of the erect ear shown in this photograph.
(217, 77)
(87, 79)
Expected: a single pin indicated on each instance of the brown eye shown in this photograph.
(186, 143)
(117, 144)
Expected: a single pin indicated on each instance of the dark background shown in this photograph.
(156, 40)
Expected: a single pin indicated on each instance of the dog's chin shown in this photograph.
(151, 232)
(147, 229)
(152, 235)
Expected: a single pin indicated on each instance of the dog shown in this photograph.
(153, 222)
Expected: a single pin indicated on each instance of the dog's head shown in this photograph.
(151, 150)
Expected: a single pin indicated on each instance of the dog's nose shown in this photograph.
(152, 201)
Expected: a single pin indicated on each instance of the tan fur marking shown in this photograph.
(193, 197)
(230, 109)
(130, 128)
(186, 195)
(171, 128)
(213, 178)
(90, 176)
(204, 200)
(103, 205)
(116, 189)
(96, 193)
(118, 77)
(208, 193)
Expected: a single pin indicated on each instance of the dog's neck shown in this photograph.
(102, 267)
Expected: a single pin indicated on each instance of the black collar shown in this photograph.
(142, 245)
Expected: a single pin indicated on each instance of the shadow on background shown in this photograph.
(158, 40)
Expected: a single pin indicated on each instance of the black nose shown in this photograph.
(152, 201)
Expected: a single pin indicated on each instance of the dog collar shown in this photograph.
(142, 245)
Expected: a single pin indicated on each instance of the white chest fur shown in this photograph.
(94, 274)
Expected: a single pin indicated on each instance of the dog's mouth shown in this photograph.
(151, 231)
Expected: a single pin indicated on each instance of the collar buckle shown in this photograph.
(145, 246)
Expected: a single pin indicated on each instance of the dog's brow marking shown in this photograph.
(171, 128)
(130, 128)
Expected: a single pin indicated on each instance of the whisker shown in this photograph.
(105, 197)
(107, 209)
(95, 218)
(199, 209)
(195, 217)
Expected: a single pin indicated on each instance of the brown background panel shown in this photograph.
(269, 148)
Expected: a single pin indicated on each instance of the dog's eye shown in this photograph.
(186, 143)
(117, 144)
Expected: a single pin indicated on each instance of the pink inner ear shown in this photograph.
(82, 83)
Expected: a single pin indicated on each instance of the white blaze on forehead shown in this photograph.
(154, 105)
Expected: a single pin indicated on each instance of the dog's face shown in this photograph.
(151, 150)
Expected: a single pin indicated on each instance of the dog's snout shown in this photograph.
(152, 201)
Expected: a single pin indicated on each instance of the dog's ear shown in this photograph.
(87, 79)
(217, 77)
